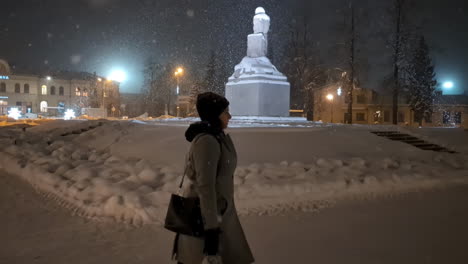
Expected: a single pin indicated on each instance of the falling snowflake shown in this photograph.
(75, 59)
(190, 13)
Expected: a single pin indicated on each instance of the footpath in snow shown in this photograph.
(127, 170)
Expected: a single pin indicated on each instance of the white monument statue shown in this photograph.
(257, 88)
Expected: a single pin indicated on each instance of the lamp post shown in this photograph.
(330, 98)
(177, 74)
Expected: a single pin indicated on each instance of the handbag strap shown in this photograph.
(186, 164)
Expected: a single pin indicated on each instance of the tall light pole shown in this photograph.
(177, 74)
(330, 98)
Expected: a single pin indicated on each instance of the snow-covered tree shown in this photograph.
(421, 81)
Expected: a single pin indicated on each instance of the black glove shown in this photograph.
(211, 241)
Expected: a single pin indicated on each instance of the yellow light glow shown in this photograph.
(330, 97)
(180, 70)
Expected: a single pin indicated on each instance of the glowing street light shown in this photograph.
(330, 98)
(49, 78)
(448, 85)
(339, 91)
(14, 113)
(117, 75)
(69, 114)
(178, 73)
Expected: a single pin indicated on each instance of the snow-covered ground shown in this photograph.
(126, 170)
(418, 227)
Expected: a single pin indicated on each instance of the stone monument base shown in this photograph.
(258, 95)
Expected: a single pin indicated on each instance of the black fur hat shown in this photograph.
(210, 106)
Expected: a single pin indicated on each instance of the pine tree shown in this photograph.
(196, 89)
(210, 77)
(216, 74)
(422, 82)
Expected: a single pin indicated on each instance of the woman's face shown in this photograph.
(225, 117)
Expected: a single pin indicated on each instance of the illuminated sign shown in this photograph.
(4, 77)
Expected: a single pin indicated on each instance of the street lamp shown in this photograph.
(177, 74)
(330, 98)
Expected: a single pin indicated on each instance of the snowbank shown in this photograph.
(126, 170)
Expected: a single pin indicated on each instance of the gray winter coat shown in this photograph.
(210, 172)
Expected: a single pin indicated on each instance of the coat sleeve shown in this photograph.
(206, 154)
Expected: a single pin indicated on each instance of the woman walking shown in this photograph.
(211, 162)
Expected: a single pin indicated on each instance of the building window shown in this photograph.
(26, 88)
(2, 88)
(19, 103)
(386, 116)
(60, 90)
(44, 90)
(77, 91)
(360, 117)
(29, 107)
(375, 97)
(361, 99)
(85, 92)
(17, 88)
(401, 117)
(457, 117)
(43, 106)
(446, 117)
(52, 90)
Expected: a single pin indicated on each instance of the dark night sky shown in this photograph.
(99, 35)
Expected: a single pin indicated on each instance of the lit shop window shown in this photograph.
(43, 106)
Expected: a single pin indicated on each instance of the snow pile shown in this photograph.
(126, 171)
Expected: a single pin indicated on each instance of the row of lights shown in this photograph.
(15, 113)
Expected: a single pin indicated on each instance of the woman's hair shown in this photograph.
(210, 106)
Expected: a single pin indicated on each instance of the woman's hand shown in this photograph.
(211, 242)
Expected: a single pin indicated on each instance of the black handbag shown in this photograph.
(184, 215)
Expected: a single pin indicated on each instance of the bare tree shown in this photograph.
(352, 53)
(303, 68)
(398, 5)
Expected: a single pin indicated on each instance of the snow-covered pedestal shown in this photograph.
(257, 88)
